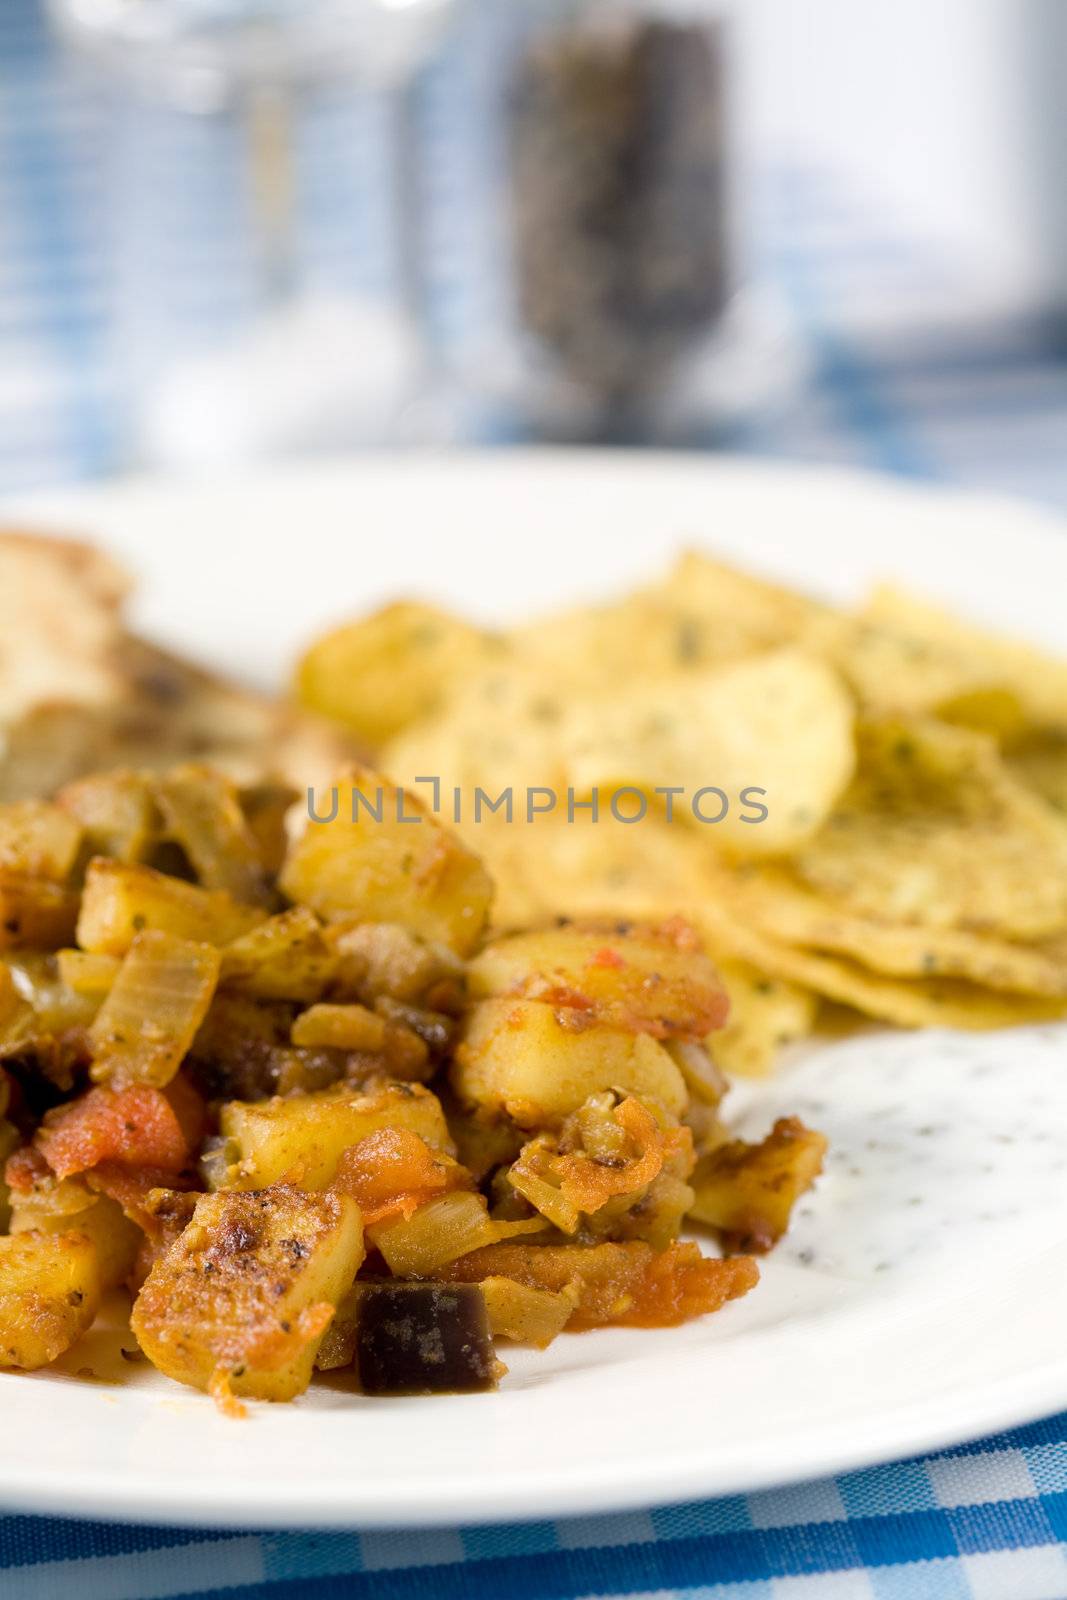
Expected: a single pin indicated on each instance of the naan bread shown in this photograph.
(79, 694)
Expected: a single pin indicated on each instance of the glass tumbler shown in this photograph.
(265, 221)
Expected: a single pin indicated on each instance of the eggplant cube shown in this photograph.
(423, 1338)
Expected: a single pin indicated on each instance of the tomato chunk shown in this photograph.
(135, 1127)
(392, 1172)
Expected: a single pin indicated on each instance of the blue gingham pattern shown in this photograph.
(982, 406)
(984, 1522)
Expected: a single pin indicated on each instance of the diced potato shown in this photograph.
(49, 1294)
(88, 974)
(118, 812)
(119, 901)
(402, 868)
(640, 977)
(35, 913)
(348, 1027)
(747, 1191)
(162, 1213)
(240, 1303)
(145, 1027)
(412, 1039)
(390, 669)
(59, 1206)
(38, 840)
(202, 813)
(657, 1219)
(517, 1056)
(381, 959)
(303, 1139)
(529, 1316)
(285, 958)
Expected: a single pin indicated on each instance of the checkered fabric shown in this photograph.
(984, 1522)
(980, 406)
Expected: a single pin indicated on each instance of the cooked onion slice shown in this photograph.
(158, 1001)
(440, 1232)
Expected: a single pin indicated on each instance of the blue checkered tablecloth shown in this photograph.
(984, 1522)
(976, 403)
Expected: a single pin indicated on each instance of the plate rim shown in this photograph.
(46, 1493)
(1012, 1401)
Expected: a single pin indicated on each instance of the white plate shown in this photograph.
(834, 1361)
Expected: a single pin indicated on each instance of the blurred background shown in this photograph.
(238, 230)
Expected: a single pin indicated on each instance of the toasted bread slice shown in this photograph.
(79, 694)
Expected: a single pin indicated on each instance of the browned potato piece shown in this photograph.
(340, 1027)
(303, 1139)
(49, 1295)
(518, 1057)
(240, 1302)
(35, 913)
(383, 868)
(39, 840)
(120, 900)
(640, 977)
(285, 958)
(60, 1206)
(747, 1191)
